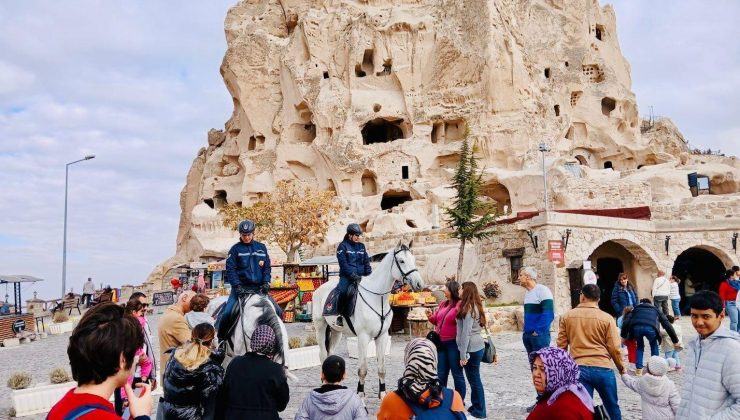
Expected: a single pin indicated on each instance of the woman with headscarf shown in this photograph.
(192, 378)
(419, 389)
(561, 396)
(255, 387)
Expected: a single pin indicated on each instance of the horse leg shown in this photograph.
(380, 344)
(322, 331)
(362, 341)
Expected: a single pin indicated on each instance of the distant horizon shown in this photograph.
(138, 85)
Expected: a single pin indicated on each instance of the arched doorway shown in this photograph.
(699, 269)
(616, 256)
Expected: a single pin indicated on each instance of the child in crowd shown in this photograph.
(658, 394)
(197, 314)
(630, 343)
(666, 346)
(136, 309)
(332, 400)
(675, 296)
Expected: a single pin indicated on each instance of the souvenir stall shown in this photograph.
(409, 308)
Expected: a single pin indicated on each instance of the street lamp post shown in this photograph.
(543, 148)
(64, 245)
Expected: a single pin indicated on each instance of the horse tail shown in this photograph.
(270, 318)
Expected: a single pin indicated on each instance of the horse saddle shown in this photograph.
(227, 321)
(331, 306)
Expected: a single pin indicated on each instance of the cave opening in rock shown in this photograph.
(209, 202)
(380, 130)
(600, 32)
(367, 66)
(547, 72)
(404, 172)
(219, 199)
(557, 110)
(387, 68)
(607, 105)
(394, 198)
(326, 75)
(608, 165)
(411, 224)
(437, 131)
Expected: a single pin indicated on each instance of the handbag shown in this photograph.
(434, 336)
(600, 413)
(489, 351)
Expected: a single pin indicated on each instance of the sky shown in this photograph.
(137, 84)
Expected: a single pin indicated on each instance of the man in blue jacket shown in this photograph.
(248, 272)
(354, 262)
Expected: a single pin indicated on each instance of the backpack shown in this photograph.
(442, 412)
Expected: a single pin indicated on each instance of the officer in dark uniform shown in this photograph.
(248, 272)
(354, 262)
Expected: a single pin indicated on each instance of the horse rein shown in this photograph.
(382, 300)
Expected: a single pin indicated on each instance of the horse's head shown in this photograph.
(404, 266)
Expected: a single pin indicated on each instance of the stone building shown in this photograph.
(371, 100)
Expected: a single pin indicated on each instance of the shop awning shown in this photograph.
(18, 278)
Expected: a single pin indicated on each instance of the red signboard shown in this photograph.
(556, 253)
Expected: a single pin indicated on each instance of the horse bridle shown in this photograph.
(404, 276)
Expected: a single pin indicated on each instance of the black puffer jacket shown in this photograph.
(647, 314)
(191, 394)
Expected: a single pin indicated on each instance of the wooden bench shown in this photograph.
(72, 304)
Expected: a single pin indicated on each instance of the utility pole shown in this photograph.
(543, 148)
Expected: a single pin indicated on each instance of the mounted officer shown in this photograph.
(248, 272)
(354, 262)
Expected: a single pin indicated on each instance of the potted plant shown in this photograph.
(60, 323)
(28, 400)
(302, 354)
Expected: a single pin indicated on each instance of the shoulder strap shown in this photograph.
(82, 410)
(449, 309)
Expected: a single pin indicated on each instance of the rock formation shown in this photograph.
(371, 99)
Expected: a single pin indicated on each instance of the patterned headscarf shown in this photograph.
(562, 375)
(263, 340)
(419, 382)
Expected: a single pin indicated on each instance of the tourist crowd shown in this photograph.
(111, 354)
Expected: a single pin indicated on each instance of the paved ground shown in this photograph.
(508, 386)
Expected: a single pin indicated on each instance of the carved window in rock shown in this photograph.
(369, 184)
(516, 262)
(593, 72)
(599, 32)
(607, 105)
(219, 199)
(367, 66)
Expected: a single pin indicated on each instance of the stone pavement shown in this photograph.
(508, 385)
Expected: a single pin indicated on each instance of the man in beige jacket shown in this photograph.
(173, 328)
(592, 338)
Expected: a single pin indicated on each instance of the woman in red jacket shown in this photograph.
(561, 396)
(446, 325)
(728, 293)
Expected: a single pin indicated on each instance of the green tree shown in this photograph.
(469, 217)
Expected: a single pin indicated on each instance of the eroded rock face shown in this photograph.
(371, 99)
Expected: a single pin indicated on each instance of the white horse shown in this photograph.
(372, 317)
(257, 310)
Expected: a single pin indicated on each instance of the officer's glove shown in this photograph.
(241, 290)
(265, 289)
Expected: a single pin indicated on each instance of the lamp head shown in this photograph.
(543, 148)
(88, 157)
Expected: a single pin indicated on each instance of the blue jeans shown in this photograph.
(639, 332)
(673, 354)
(534, 343)
(449, 360)
(731, 310)
(477, 395)
(676, 307)
(605, 383)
